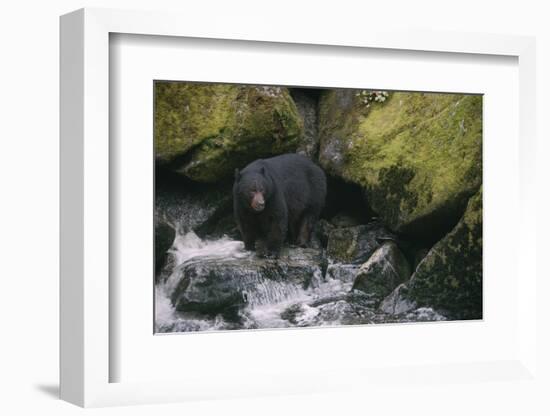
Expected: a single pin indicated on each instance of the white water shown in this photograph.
(190, 247)
(264, 305)
(267, 301)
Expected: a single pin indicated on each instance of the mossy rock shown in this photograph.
(383, 272)
(354, 245)
(450, 276)
(416, 155)
(205, 131)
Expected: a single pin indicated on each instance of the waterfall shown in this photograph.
(260, 294)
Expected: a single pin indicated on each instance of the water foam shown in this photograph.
(268, 301)
(185, 248)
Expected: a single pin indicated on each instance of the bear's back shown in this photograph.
(303, 182)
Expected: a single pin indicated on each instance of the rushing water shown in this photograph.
(270, 303)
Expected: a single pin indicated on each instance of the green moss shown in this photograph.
(414, 154)
(450, 276)
(206, 131)
(186, 114)
(354, 245)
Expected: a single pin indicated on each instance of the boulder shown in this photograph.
(383, 272)
(205, 131)
(398, 307)
(164, 237)
(424, 315)
(345, 273)
(216, 285)
(348, 309)
(354, 245)
(189, 208)
(398, 301)
(417, 156)
(449, 278)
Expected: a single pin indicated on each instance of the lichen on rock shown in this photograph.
(416, 155)
(205, 131)
(354, 245)
(450, 276)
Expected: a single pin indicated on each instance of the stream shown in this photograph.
(269, 300)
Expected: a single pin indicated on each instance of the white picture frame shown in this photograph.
(86, 357)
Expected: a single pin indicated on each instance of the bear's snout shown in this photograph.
(258, 202)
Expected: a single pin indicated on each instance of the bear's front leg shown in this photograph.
(249, 243)
(273, 249)
(248, 233)
(305, 231)
(276, 238)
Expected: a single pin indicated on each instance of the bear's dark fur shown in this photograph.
(278, 198)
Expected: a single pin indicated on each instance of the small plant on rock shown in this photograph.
(368, 96)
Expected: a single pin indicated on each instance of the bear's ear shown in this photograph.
(262, 170)
(237, 174)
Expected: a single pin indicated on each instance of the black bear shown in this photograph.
(277, 198)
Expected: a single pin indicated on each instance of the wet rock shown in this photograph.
(215, 285)
(354, 309)
(424, 315)
(322, 231)
(398, 302)
(343, 312)
(450, 276)
(383, 272)
(205, 131)
(188, 208)
(416, 155)
(349, 309)
(399, 307)
(301, 314)
(343, 272)
(164, 237)
(354, 245)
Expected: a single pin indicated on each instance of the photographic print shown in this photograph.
(282, 207)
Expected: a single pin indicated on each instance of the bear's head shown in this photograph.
(253, 188)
